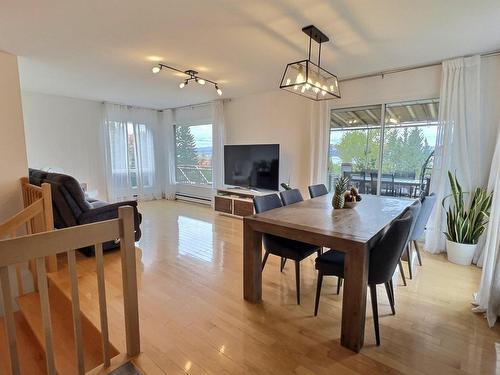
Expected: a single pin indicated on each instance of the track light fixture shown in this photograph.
(192, 76)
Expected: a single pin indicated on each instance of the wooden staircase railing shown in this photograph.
(41, 245)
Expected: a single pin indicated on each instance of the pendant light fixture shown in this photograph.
(308, 79)
(192, 75)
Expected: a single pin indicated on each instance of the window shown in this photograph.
(389, 154)
(132, 154)
(193, 154)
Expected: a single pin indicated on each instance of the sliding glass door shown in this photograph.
(355, 147)
(384, 149)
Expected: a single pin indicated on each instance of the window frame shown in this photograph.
(382, 127)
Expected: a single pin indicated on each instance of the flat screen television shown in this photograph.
(252, 166)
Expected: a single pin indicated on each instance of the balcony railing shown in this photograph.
(193, 174)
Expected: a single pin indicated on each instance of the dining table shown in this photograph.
(352, 231)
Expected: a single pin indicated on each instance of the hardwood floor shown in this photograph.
(194, 319)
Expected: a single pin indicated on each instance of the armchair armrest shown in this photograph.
(107, 212)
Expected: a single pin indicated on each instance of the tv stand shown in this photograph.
(237, 201)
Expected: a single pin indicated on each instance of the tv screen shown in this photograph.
(252, 166)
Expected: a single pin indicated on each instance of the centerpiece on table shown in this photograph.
(343, 197)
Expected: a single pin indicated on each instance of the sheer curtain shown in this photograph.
(488, 297)
(168, 152)
(320, 142)
(218, 140)
(457, 144)
(131, 161)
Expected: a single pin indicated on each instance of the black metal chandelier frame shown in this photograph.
(314, 34)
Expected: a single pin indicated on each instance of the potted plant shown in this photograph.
(465, 225)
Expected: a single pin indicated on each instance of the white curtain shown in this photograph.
(168, 152)
(457, 145)
(320, 141)
(131, 161)
(488, 297)
(218, 140)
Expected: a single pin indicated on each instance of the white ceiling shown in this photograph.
(104, 50)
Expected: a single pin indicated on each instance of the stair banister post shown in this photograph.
(129, 279)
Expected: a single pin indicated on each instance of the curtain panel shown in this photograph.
(457, 145)
(131, 139)
(218, 139)
(488, 297)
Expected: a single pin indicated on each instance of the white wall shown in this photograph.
(13, 163)
(274, 117)
(64, 134)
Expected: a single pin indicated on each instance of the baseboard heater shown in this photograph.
(193, 199)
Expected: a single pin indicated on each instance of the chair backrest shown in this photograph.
(317, 190)
(428, 203)
(291, 196)
(415, 210)
(266, 202)
(384, 256)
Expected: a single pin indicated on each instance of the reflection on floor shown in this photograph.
(194, 319)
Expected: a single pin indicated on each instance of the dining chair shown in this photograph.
(428, 203)
(317, 190)
(415, 209)
(384, 257)
(291, 196)
(283, 247)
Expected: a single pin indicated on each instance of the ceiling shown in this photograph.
(104, 50)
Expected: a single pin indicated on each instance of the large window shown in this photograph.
(193, 154)
(384, 149)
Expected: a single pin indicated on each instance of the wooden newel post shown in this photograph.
(49, 221)
(129, 278)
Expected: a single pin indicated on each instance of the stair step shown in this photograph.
(62, 326)
(31, 355)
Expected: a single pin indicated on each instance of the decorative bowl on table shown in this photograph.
(350, 204)
(351, 198)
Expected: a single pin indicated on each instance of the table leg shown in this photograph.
(252, 267)
(354, 299)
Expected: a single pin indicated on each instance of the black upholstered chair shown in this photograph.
(428, 203)
(317, 190)
(71, 207)
(384, 257)
(415, 209)
(283, 247)
(291, 196)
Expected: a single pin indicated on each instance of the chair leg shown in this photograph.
(373, 293)
(318, 292)
(408, 254)
(282, 266)
(418, 252)
(402, 272)
(297, 280)
(339, 284)
(390, 296)
(266, 255)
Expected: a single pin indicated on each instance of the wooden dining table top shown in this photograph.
(360, 224)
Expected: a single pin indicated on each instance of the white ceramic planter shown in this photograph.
(460, 253)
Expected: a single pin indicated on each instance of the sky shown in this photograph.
(202, 135)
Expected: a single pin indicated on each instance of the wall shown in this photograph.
(64, 134)
(13, 163)
(274, 117)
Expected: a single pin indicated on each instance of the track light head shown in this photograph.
(219, 91)
(183, 84)
(201, 81)
(156, 69)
